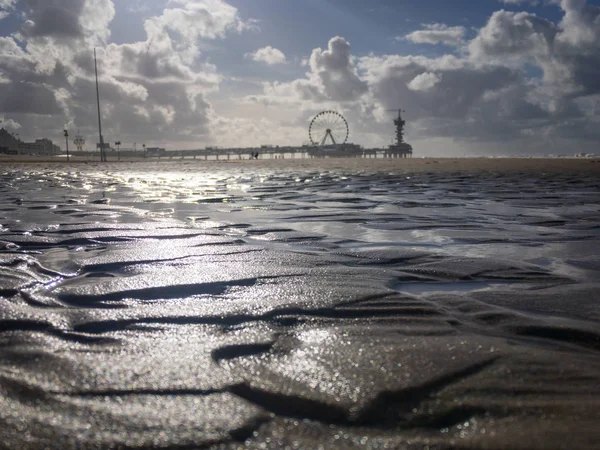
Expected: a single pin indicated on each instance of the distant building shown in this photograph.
(30, 148)
(8, 143)
(48, 148)
(13, 146)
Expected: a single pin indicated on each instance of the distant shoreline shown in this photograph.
(475, 164)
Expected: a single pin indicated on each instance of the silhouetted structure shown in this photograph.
(79, 142)
(328, 124)
(400, 148)
(12, 145)
(101, 144)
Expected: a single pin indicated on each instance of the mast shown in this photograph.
(399, 122)
(102, 155)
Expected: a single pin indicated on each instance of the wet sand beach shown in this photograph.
(316, 303)
(354, 165)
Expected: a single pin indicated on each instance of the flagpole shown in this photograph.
(102, 155)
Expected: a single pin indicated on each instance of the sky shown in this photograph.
(484, 77)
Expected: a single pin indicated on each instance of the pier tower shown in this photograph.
(399, 149)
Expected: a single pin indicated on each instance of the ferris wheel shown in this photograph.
(328, 124)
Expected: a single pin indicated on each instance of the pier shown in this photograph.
(328, 133)
(264, 152)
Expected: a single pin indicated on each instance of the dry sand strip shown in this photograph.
(354, 165)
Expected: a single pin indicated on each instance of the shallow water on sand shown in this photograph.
(199, 306)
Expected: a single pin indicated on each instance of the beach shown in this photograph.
(300, 303)
(353, 165)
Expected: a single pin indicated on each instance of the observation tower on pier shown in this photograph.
(400, 148)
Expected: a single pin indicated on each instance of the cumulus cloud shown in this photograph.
(268, 55)
(335, 69)
(53, 18)
(485, 93)
(515, 36)
(24, 97)
(332, 79)
(431, 89)
(198, 18)
(151, 90)
(157, 89)
(437, 33)
(7, 4)
(68, 19)
(568, 53)
(9, 124)
(424, 81)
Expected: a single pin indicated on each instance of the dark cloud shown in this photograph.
(453, 96)
(146, 63)
(84, 61)
(54, 18)
(25, 97)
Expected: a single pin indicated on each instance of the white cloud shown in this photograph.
(424, 81)
(7, 4)
(334, 68)
(568, 53)
(519, 2)
(513, 36)
(9, 124)
(332, 79)
(438, 33)
(483, 94)
(268, 55)
(157, 89)
(198, 18)
(151, 90)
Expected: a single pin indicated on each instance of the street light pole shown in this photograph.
(118, 145)
(102, 153)
(67, 142)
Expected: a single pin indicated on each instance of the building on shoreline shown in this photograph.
(11, 145)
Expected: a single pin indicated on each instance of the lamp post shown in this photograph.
(67, 142)
(118, 145)
(144, 145)
(102, 153)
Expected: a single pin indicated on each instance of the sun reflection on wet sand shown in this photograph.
(198, 305)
